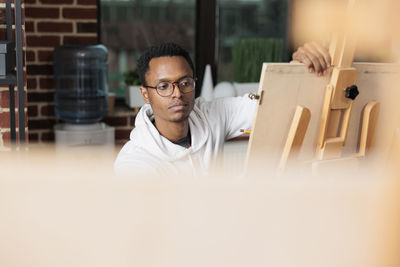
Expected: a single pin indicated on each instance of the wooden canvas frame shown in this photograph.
(285, 86)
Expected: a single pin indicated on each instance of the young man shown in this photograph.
(175, 133)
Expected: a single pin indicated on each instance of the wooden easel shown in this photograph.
(335, 116)
(340, 94)
(290, 91)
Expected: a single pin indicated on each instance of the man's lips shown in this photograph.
(178, 106)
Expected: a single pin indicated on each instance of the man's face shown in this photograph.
(176, 107)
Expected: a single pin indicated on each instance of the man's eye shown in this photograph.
(163, 86)
(185, 83)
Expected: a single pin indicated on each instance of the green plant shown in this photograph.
(131, 77)
(248, 55)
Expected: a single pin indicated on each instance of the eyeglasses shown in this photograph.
(185, 85)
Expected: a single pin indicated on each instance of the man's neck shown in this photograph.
(173, 131)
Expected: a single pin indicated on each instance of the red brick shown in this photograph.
(33, 137)
(31, 83)
(116, 121)
(56, 2)
(46, 56)
(4, 120)
(47, 110)
(39, 69)
(54, 27)
(44, 41)
(40, 97)
(29, 26)
(41, 124)
(86, 27)
(87, 2)
(5, 99)
(41, 12)
(74, 40)
(80, 13)
(122, 134)
(47, 137)
(6, 138)
(32, 111)
(30, 56)
(46, 83)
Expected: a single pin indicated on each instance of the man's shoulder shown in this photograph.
(220, 100)
(218, 105)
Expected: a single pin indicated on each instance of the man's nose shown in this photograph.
(176, 91)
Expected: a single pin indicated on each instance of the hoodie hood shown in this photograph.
(152, 142)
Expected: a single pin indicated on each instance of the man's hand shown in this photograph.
(314, 56)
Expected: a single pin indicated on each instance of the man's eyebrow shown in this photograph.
(168, 80)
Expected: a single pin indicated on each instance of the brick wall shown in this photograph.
(4, 90)
(51, 23)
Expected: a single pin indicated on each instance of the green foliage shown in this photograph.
(248, 55)
(131, 77)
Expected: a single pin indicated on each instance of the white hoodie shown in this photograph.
(210, 123)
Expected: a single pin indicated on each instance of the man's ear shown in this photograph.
(145, 94)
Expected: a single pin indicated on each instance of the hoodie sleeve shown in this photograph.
(234, 113)
(239, 113)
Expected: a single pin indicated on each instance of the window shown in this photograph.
(214, 32)
(250, 32)
(130, 26)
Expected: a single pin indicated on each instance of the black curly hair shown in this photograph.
(160, 50)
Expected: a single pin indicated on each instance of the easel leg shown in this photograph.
(370, 117)
(295, 137)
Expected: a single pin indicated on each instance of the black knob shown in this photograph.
(352, 92)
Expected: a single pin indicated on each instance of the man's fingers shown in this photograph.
(324, 52)
(316, 64)
(317, 57)
(300, 56)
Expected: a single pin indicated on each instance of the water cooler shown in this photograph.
(81, 96)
